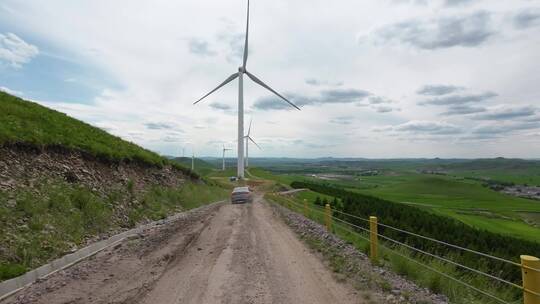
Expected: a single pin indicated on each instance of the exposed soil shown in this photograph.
(217, 254)
(25, 167)
(28, 169)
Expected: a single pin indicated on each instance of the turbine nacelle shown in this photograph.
(242, 70)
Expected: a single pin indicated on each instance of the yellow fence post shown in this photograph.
(327, 217)
(531, 279)
(373, 238)
(305, 208)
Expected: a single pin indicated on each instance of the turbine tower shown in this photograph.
(224, 149)
(248, 138)
(240, 75)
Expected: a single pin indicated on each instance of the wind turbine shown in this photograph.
(240, 75)
(248, 138)
(224, 149)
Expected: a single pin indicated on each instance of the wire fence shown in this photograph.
(397, 243)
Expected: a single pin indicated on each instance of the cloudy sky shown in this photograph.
(379, 78)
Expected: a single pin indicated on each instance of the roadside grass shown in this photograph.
(38, 228)
(158, 202)
(411, 267)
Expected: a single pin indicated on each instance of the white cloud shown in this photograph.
(163, 56)
(15, 51)
(469, 30)
(427, 127)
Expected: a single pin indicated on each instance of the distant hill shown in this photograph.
(201, 167)
(25, 122)
(494, 163)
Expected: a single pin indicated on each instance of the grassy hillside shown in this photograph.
(27, 122)
(201, 167)
(52, 205)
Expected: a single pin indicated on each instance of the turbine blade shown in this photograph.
(264, 85)
(249, 129)
(254, 143)
(246, 43)
(229, 79)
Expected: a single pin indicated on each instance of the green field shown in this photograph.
(530, 176)
(454, 196)
(465, 200)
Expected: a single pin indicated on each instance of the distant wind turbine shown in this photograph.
(224, 149)
(241, 71)
(248, 138)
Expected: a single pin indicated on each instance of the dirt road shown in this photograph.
(226, 254)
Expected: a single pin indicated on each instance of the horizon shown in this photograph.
(357, 158)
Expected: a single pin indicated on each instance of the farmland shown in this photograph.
(452, 188)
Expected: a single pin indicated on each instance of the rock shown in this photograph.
(11, 203)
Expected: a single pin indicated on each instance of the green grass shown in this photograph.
(202, 167)
(518, 171)
(448, 195)
(39, 228)
(454, 197)
(227, 173)
(159, 202)
(447, 192)
(285, 179)
(29, 123)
